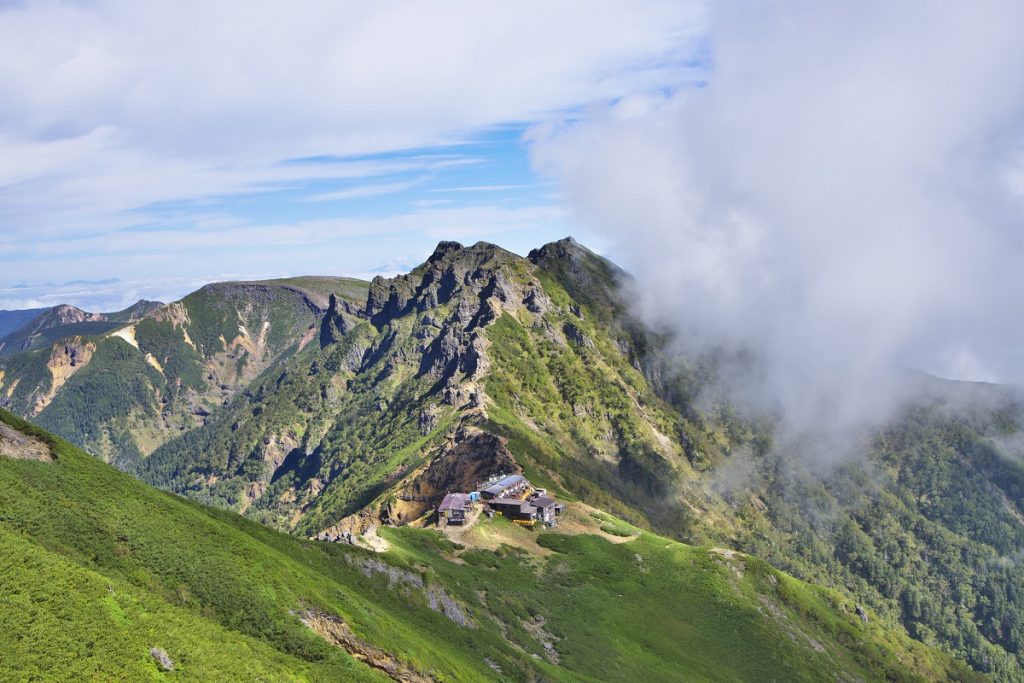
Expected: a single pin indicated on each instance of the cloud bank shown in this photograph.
(843, 197)
(111, 106)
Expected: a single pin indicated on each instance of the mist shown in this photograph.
(842, 200)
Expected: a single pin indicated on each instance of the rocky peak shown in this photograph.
(338, 321)
(444, 248)
(452, 272)
(134, 313)
(65, 314)
(588, 277)
(566, 249)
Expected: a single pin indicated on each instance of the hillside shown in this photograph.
(62, 322)
(99, 569)
(124, 385)
(13, 320)
(481, 361)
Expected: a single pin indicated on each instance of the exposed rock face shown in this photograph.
(436, 596)
(337, 632)
(19, 446)
(471, 457)
(428, 419)
(576, 336)
(162, 659)
(536, 300)
(471, 286)
(65, 360)
(339, 321)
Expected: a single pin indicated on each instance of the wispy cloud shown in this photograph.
(481, 188)
(117, 116)
(328, 246)
(360, 191)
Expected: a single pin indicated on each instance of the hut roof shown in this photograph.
(505, 483)
(454, 501)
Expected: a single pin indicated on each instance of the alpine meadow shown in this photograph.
(761, 420)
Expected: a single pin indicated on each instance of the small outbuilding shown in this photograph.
(546, 508)
(454, 508)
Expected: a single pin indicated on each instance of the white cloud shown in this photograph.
(481, 188)
(834, 198)
(112, 105)
(166, 257)
(372, 190)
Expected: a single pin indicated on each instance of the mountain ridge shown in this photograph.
(482, 358)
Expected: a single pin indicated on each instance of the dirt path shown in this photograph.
(456, 532)
(373, 541)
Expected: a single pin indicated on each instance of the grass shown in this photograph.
(97, 568)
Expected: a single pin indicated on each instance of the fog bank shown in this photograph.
(843, 199)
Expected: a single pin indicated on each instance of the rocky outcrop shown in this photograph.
(65, 361)
(428, 419)
(437, 598)
(576, 336)
(19, 446)
(335, 631)
(162, 659)
(338, 321)
(472, 456)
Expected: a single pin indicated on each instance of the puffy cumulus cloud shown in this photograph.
(110, 105)
(841, 197)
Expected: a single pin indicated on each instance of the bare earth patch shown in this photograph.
(14, 444)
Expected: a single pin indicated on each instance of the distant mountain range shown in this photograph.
(32, 329)
(327, 407)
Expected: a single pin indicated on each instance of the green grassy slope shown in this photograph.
(926, 529)
(97, 568)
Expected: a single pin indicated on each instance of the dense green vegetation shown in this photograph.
(928, 530)
(925, 526)
(97, 568)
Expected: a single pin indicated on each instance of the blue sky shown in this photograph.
(384, 220)
(791, 176)
(147, 150)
